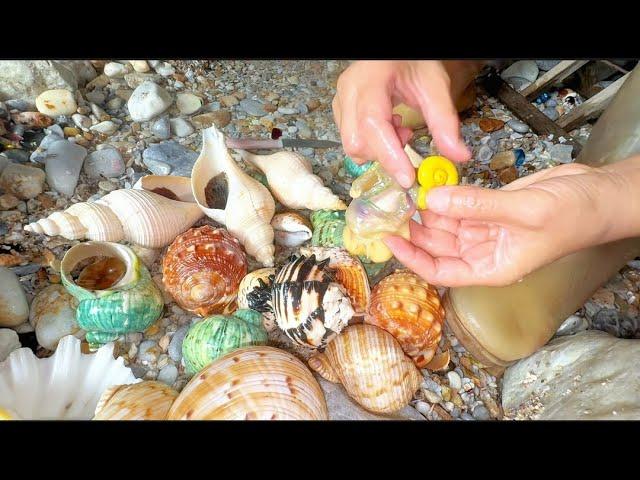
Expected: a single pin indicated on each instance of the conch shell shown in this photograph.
(202, 270)
(140, 401)
(239, 202)
(291, 229)
(255, 293)
(252, 383)
(371, 366)
(409, 309)
(292, 182)
(139, 216)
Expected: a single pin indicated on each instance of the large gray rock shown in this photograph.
(26, 79)
(587, 376)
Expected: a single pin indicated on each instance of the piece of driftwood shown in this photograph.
(557, 73)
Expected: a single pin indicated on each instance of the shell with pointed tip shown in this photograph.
(327, 228)
(202, 270)
(309, 306)
(136, 215)
(240, 202)
(218, 335)
(348, 272)
(409, 308)
(252, 383)
(66, 385)
(148, 400)
(371, 366)
(292, 182)
(291, 229)
(131, 304)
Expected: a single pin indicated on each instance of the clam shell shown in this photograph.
(408, 308)
(371, 366)
(148, 400)
(253, 383)
(202, 270)
(291, 229)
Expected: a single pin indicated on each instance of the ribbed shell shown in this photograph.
(253, 383)
(202, 270)
(290, 229)
(409, 309)
(253, 292)
(148, 400)
(309, 306)
(371, 366)
(327, 228)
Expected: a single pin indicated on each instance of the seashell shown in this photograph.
(116, 294)
(53, 316)
(168, 186)
(66, 385)
(348, 272)
(255, 293)
(202, 270)
(231, 197)
(292, 182)
(371, 366)
(409, 308)
(148, 400)
(327, 228)
(309, 306)
(252, 383)
(14, 308)
(138, 216)
(291, 229)
(353, 169)
(216, 336)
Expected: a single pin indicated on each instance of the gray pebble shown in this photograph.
(211, 107)
(552, 113)
(180, 127)
(62, 166)
(179, 159)
(481, 413)
(158, 168)
(561, 153)
(168, 374)
(106, 162)
(484, 154)
(95, 96)
(23, 270)
(4, 229)
(17, 155)
(138, 371)
(518, 126)
(455, 412)
(466, 416)
(551, 103)
(175, 346)
(252, 107)
(423, 407)
(143, 351)
(17, 104)
(161, 128)
(307, 152)
(287, 111)
(302, 108)
(303, 129)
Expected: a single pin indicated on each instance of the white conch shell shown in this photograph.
(66, 385)
(249, 205)
(292, 182)
(136, 215)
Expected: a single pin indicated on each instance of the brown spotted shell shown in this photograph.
(409, 309)
(202, 270)
(148, 400)
(252, 383)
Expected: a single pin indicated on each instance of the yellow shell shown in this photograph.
(371, 366)
(373, 248)
(409, 309)
(138, 401)
(253, 383)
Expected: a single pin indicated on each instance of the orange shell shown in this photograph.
(409, 309)
(202, 270)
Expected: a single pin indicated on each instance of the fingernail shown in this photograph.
(404, 180)
(438, 200)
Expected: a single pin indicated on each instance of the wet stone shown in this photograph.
(179, 159)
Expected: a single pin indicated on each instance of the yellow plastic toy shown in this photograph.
(434, 171)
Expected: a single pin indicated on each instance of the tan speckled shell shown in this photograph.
(202, 270)
(371, 366)
(250, 281)
(409, 309)
(139, 401)
(253, 383)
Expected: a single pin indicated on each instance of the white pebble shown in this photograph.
(140, 65)
(9, 341)
(107, 127)
(115, 70)
(56, 102)
(188, 103)
(180, 127)
(147, 101)
(455, 381)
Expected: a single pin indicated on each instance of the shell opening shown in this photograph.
(217, 192)
(165, 192)
(101, 265)
(99, 273)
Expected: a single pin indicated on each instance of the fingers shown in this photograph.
(436, 242)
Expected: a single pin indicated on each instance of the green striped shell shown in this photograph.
(133, 304)
(218, 335)
(327, 228)
(353, 169)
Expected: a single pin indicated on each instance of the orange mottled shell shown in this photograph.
(409, 309)
(202, 270)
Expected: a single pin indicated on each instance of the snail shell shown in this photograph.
(202, 270)
(371, 366)
(290, 229)
(409, 309)
(327, 228)
(148, 400)
(255, 293)
(252, 383)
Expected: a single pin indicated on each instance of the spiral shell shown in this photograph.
(291, 229)
(371, 366)
(148, 400)
(202, 270)
(327, 228)
(255, 293)
(252, 383)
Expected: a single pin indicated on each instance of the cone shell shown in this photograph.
(409, 308)
(141, 401)
(371, 366)
(327, 228)
(291, 229)
(202, 270)
(253, 383)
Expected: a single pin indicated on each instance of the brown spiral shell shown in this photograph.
(202, 270)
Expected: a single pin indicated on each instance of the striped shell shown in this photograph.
(202, 270)
(255, 293)
(309, 306)
(371, 366)
(253, 383)
(409, 309)
(327, 228)
(140, 401)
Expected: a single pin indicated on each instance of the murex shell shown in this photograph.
(202, 270)
(252, 383)
(409, 309)
(217, 335)
(148, 400)
(106, 309)
(309, 306)
(371, 366)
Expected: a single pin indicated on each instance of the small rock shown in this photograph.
(16, 155)
(53, 315)
(180, 127)
(552, 113)
(188, 103)
(71, 131)
(490, 124)
(502, 160)
(8, 201)
(229, 100)
(179, 159)
(56, 102)
(124, 93)
(481, 413)
(484, 154)
(161, 128)
(107, 127)
(211, 107)
(18, 104)
(106, 162)
(287, 111)
(28, 269)
(81, 121)
(23, 181)
(95, 96)
(99, 113)
(32, 120)
(9, 341)
(220, 119)
(519, 83)
(175, 347)
(252, 107)
(168, 374)
(508, 175)
(551, 103)
(561, 153)
(165, 69)
(147, 101)
(115, 70)
(572, 325)
(518, 126)
(115, 103)
(15, 309)
(526, 69)
(147, 352)
(455, 382)
(107, 186)
(140, 65)
(62, 166)
(313, 104)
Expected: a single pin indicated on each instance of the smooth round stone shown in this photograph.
(53, 315)
(481, 413)
(518, 126)
(252, 107)
(502, 160)
(287, 111)
(180, 127)
(107, 127)
(526, 69)
(95, 96)
(551, 103)
(56, 102)
(455, 381)
(9, 341)
(168, 374)
(24, 270)
(157, 167)
(485, 153)
(140, 66)
(546, 65)
(188, 103)
(176, 157)
(18, 104)
(14, 308)
(62, 166)
(8, 201)
(147, 101)
(551, 113)
(161, 128)
(115, 70)
(175, 346)
(466, 416)
(115, 103)
(23, 181)
(81, 121)
(572, 325)
(106, 162)
(145, 352)
(519, 83)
